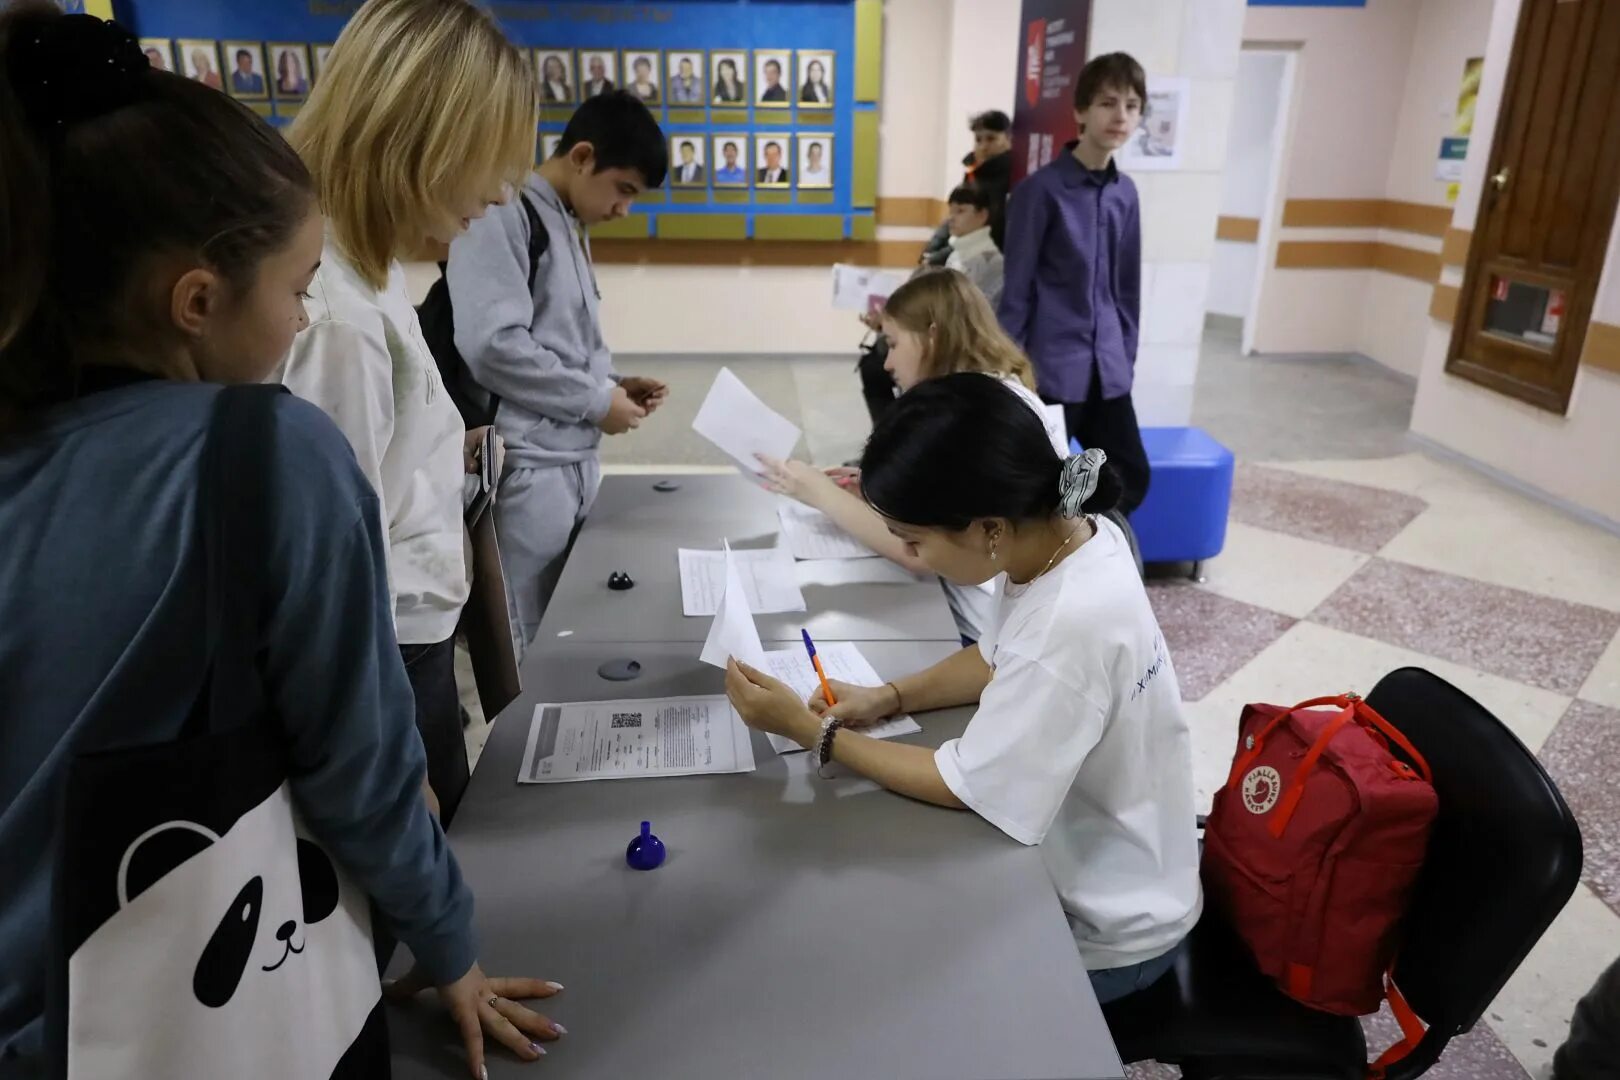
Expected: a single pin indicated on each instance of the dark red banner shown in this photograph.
(1054, 51)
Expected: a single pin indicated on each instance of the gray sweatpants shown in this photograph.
(537, 514)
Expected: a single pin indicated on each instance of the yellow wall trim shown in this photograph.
(1244, 230)
(1422, 218)
(1443, 304)
(898, 254)
(911, 211)
(868, 50)
(1602, 348)
(1358, 255)
(1454, 249)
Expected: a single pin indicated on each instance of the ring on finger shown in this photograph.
(493, 1000)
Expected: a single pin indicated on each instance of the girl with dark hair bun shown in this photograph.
(1078, 743)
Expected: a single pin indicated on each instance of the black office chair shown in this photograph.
(1504, 858)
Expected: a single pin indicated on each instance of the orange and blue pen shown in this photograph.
(815, 662)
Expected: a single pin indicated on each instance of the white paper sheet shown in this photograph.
(856, 288)
(741, 425)
(613, 740)
(842, 661)
(767, 576)
(733, 632)
(831, 573)
(810, 534)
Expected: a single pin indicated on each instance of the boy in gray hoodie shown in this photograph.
(540, 351)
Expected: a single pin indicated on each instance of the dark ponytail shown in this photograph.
(965, 447)
(107, 163)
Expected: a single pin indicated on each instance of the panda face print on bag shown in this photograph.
(242, 953)
(241, 940)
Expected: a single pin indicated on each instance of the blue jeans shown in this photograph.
(1111, 984)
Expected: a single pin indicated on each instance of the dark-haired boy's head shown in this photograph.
(773, 72)
(613, 150)
(244, 60)
(970, 209)
(992, 134)
(1110, 96)
(773, 155)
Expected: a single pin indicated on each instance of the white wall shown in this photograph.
(1571, 457)
(1256, 100)
(1376, 89)
(1198, 39)
(917, 58)
(981, 74)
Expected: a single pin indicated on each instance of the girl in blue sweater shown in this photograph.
(155, 240)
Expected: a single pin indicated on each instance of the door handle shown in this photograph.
(1500, 180)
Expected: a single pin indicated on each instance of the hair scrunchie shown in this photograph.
(1079, 481)
(73, 68)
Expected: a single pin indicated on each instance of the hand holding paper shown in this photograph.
(743, 426)
(733, 632)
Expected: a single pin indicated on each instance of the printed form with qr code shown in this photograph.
(605, 740)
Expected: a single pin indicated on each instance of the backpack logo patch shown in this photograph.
(1260, 789)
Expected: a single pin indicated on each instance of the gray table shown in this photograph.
(800, 927)
(637, 529)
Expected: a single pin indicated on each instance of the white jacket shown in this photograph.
(363, 360)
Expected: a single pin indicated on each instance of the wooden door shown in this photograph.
(1549, 201)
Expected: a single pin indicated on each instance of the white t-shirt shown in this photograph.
(972, 605)
(1079, 745)
(363, 360)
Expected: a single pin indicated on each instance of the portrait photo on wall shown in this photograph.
(159, 53)
(556, 69)
(199, 62)
(642, 76)
(246, 78)
(289, 63)
(548, 146)
(684, 83)
(815, 160)
(321, 52)
(773, 74)
(687, 166)
(727, 76)
(599, 72)
(771, 168)
(815, 79)
(730, 160)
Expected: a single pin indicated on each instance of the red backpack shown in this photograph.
(1313, 846)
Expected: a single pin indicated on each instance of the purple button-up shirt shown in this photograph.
(1073, 294)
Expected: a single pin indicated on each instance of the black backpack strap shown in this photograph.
(539, 238)
(236, 510)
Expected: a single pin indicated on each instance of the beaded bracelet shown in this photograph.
(829, 727)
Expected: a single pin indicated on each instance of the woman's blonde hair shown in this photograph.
(420, 100)
(959, 330)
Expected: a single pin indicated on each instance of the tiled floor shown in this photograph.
(1348, 555)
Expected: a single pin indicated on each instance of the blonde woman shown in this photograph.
(423, 117)
(938, 323)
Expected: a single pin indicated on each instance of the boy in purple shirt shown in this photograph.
(1073, 293)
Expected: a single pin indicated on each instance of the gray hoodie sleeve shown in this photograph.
(495, 314)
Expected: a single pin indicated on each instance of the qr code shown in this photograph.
(626, 719)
